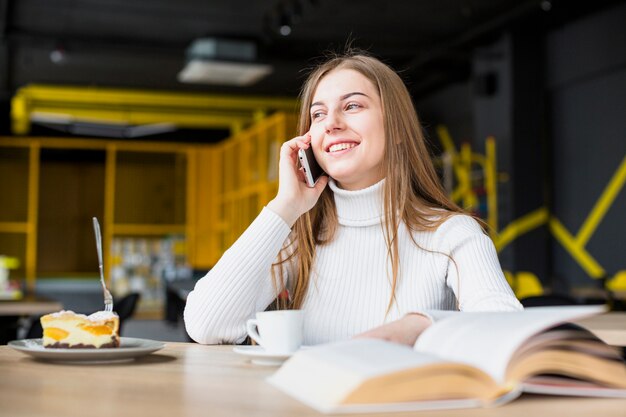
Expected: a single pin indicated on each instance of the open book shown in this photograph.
(463, 360)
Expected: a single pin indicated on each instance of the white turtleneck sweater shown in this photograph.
(350, 283)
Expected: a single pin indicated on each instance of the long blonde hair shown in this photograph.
(412, 192)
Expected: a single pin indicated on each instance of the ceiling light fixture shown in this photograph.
(58, 55)
(103, 128)
(285, 27)
(284, 16)
(223, 62)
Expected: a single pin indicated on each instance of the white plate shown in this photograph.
(130, 348)
(259, 356)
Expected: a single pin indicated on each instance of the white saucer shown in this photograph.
(260, 356)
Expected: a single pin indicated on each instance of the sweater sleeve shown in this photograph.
(474, 272)
(238, 286)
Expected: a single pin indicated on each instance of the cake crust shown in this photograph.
(58, 345)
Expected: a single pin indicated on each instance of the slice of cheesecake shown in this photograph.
(69, 330)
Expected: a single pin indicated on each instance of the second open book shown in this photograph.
(463, 360)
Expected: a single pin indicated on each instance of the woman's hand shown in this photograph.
(294, 197)
(404, 331)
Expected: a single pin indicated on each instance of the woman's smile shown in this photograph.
(341, 147)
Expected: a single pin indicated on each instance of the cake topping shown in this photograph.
(101, 315)
(95, 317)
(66, 313)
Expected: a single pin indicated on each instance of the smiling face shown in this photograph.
(347, 131)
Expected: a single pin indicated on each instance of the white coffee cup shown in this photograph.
(278, 331)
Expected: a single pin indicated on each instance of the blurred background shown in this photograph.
(163, 119)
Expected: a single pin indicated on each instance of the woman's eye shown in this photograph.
(352, 106)
(316, 115)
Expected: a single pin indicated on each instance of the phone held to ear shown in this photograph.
(312, 170)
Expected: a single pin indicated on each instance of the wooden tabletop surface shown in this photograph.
(29, 305)
(611, 327)
(186, 380)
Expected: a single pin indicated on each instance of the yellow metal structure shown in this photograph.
(463, 164)
(618, 283)
(236, 178)
(524, 284)
(33, 211)
(573, 244)
(111, 227)
(520, 227)
(136, 107)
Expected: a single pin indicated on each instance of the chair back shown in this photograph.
(126, 306)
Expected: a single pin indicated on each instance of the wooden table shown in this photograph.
(12, 310)
(186, 379)
(29, 305)
(611, 328)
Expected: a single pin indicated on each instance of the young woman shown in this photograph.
(377, 249)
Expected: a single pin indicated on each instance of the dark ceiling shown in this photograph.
(142, 43)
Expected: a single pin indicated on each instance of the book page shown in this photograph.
(489, 340)
(324, 375)
(369, 357)
(573, 387)
(578, 340)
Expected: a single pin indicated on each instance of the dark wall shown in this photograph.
(493, 116)
(450, 106)
(586, 82)
(557, 107)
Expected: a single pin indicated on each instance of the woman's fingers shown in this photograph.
(298, 142)
(321, 183)
(289, 149)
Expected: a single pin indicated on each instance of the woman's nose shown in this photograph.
(333, 121)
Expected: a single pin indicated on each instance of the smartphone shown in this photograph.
(312, 170)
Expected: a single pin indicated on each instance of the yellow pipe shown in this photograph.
(109, 204)
(54, 142)
(70, 94)
(19, 115)
(246, 162)
(262, 161)
(469, 198)
(192, 194)
(609, 194)
(215, 213)
(140, 107)
(457, 194)
(448, 146)
(584, 259)
(259, 115)
(150, 229)
(521, 226)
(13, 227)
(491, 185)
(236, 128)
(446, 140)
(33, 210)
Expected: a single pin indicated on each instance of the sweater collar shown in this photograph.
(361, 207)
